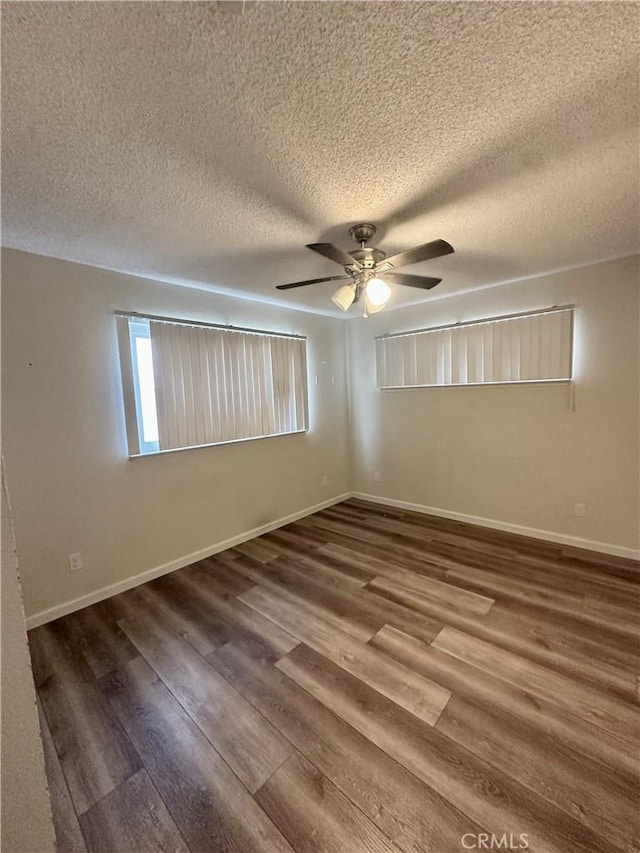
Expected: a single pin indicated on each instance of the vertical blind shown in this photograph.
(215, 385)
(532, 347)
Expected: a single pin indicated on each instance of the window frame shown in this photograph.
(131, 392)
(480, 322)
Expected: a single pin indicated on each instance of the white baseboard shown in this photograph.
(156, 572)
(507, 527)
(113, 589)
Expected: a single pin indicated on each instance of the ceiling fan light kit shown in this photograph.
(365, 265)
(344, 296)
(370, 307)
(378, 291)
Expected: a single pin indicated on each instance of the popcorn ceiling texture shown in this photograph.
(182, 142)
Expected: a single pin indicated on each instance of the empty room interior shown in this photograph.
(320, 427)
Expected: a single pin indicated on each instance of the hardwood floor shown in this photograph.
(364, 680)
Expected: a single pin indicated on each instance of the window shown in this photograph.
(192, 384)
(533, 347)
(144, 386)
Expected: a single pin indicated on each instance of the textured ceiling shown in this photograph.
(184, 142)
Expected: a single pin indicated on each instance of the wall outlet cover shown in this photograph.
(75, 562)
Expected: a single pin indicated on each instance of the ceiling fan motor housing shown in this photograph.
(368, 258)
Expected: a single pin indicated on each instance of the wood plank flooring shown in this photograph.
(364, 680)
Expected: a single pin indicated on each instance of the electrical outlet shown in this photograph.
(75, 562)
(580, 510)
(324, 481)
(376, 475)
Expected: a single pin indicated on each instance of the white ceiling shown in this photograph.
(183, 142)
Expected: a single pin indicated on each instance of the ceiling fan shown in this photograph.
(365, 265)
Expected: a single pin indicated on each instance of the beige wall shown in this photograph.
(26, 812)
(73, 487)
(516, 454)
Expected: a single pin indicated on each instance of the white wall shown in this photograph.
(73, 487)
(26, 811)
(515, 454)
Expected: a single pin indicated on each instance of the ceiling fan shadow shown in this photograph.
(568, 125)
(235, 269)
(467, 261)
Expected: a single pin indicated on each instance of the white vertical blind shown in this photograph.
(215, 385)
(532, 347)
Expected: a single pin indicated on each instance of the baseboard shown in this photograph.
(113, 589)
(121, 586)
(507, 527)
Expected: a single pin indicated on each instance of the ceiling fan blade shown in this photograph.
(328, 250)
(421, 281)
(311, 281)
(426, 252)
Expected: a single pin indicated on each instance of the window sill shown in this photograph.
(214, 444)
(477, 384)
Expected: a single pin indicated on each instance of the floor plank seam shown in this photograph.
(444, 650)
